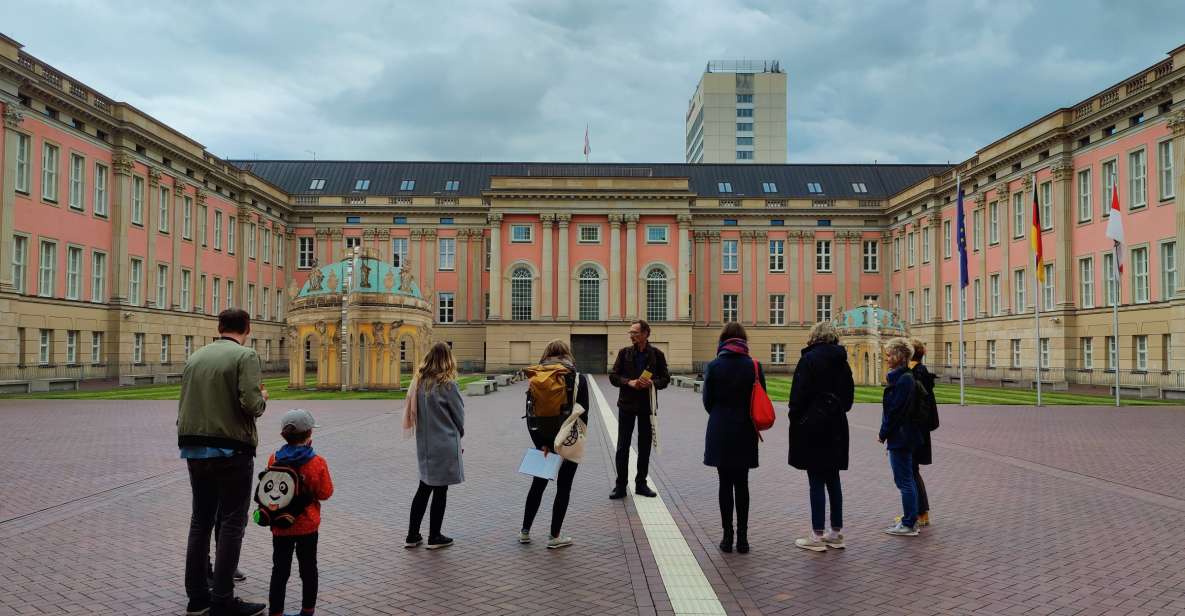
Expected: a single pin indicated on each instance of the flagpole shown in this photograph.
(1115, 317)
(962, 309)
(1037, 291)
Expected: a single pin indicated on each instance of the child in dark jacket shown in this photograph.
(301, 537)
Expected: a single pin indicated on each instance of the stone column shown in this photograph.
(917, 270)
(839, 259)
(12, 121)
(714, 270)
(745, 269)
(886, 264)
(495, 222)
(122, 167)
(981, 312)
(415, 255)
(937, 294)
(631, 266)
(429, 246)
(857, 269)
(563, 310)
(794, 249)
(1004, 208)
(760, 273)
(615, 267)
(699, 309)
(322, 248)
(808, 278)
(1176, 125)
(151, 224)
(476, 264)
(259, 281)
(461, 306)
(684, 287)
(197, 291)
(1063, 234)
(244, 220)
(175, 267)
(546, 295)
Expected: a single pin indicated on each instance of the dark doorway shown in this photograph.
(591, 352)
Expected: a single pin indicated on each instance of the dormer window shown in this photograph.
(362, 185)
(452, 185)
(724, 187)
(769, 187)
(317, 185)
(814, 187)
(407, 185)
(859, 187)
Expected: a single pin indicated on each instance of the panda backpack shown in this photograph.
(281, 496)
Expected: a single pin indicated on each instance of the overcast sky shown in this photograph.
(492, 80)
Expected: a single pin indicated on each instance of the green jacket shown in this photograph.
(220, 398)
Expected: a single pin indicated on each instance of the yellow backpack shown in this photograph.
(548, 390)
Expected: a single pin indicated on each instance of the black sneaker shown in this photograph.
(237, 607)
(617, 493)
(435, 543)
(197, 608)
(644, 490)
(413, 541)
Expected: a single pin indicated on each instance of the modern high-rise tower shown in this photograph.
(738, 114)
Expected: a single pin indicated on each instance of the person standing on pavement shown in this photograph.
(436, 412)
(222, 395)
(543, 431)
(899, 434)
(730, 442)
(924, 453)
(638, 370)
(821, 395)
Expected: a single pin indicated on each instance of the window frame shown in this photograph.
(582, 228)
(823, 260)
(77, 197)
(777, 309)
(726, 254)
(47, 268)
(98, 277)
(874, 255)
(518, 227)
(1140, 280)
(74, 272)
(730, 303)
(666, 234)
(1086, 286)
(446, 258)
(101, 205)
(777, 256)
(50, 170)
(824, 304)
(1140, 178)
(1168, 269)
(305, 255)
(446, 307)
(1165, 173)
(1084, 193)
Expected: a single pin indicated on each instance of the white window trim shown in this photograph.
(666, 234)
(580, 234)
(530, 233)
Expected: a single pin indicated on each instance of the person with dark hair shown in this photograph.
(543, 431)
(222, 395)
(435, 412)
(730, 442)
(899, 435)
(638, 372)
(924, 452)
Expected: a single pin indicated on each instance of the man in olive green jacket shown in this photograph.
(222, 395)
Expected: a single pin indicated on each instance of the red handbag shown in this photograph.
(760, 407)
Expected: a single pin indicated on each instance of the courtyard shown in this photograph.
(1056, 510)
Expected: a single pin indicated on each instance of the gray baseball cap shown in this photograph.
(300, 420)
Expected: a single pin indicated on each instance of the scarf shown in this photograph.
(734, 345)
(410, 409)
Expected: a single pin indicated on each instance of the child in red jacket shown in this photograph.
(297, 429)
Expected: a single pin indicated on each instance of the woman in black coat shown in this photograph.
(730, 443)
(923, 454)
(820, 397)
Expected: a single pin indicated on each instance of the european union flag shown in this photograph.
(962, 240)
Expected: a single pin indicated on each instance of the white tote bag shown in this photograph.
(569, 442)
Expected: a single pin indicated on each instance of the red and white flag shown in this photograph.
(587, 148)
(1115, 228)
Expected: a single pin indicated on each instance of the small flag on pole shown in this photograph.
(587, 148)
(961, 222)
(1035, 234)
(1115, 228)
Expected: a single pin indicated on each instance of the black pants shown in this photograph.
(221, 493)
(625, 434)
(923, 500)
(419, 503)
(305, 547)
(563, 489)
(734, 494)
(820, 482)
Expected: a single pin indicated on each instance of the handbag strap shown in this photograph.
(756, 370)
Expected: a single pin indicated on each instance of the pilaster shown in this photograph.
(1063, 235)
(745, 303)
(12, 121)
(122, 168)
(546, 297)
(151, 230)
(809, 313)
(615, 267)
(794, 250)
(631, 266)
(714, 304)
(175, 268)
(495, 223)
(461, 304)
(699, 309)
(760, 273)
(1004, 205)
(981, 312)
(562, 307)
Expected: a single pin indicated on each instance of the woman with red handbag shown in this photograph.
(730, 443)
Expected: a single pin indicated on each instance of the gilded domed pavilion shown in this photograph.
(863, 331)
(388, 320)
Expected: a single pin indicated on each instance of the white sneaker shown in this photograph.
(811, 542)
(558, 542)
(834, 540)
(524, 536)
(902, 530)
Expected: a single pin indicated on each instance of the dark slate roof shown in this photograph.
(386, 177)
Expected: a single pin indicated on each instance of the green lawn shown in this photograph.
(277, 388)
(779, 390)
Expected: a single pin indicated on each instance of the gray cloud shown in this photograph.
(466, 80)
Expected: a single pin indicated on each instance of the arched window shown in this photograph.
(590, 294)
(656, 295)
(520, 294)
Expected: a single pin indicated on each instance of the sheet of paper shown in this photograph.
(535, 464)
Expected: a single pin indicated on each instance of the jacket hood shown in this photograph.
(826, 351)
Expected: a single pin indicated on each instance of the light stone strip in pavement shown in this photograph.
(685, 582)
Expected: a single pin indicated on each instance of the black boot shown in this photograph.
(742, 541)
(726, 543)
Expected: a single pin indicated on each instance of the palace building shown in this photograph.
(121, 239)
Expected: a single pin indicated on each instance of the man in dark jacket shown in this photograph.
(222, 395)
(633, 403)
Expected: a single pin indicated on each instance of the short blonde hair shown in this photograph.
(823, 331)
(919, 348)
(438, 365)
(899, 348)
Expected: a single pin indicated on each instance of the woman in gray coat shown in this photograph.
(437, 414)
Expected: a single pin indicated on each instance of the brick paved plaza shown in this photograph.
(1036, 511)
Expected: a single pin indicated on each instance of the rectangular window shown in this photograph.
(264, 298)
(1085, 210)
(656, 234)
(45, 347)
(1112, 354)
(162, 286)
(1168, 270)
(216, 295)
(948, 303)
(946, 239)
(822, 308)
(1140, 291)
(948, 349)
(769, 187)
(977, 229)
(744, 98)
(823, 256)
(403, 185)
(729, 308)
(1109, 177)
(188, 342)
(96, 347)
(185, 281)
(217, 230)
(77, 181)
(1046, 206)
(729, 260)
(73, 272)
(134, 282)
(71, 347)
(521, 233)
(187, 218)
(978, 288)
(1166, 351)
(1109, 290)
(49, 172)
(448, 254)
(100, 190)
(1086, 282)
(1018, 216)
(814, 187)
(1165, 176)
(267, 245)
(20, 257)
(745, 112)
(744, 155)
(445, 308)
(777, 309)
(1141, 352)
(279, 305)
(360, 185)
(991, 354)
(1018, 290)
(163, 211)
(993, 223)
(230, 235)
(743, 127)
(251, 301)
(22, 163)
(1047, 287)
(1043, 353)
(200, 301)
(280, 247)
(897, 303)
(925, 233)
(203, 230)
(1137, 193)
(230, 294)
(926, 313)
(1015, 353)
(777, 255)
(724, 187)
(777, 353)
(98, 277)
(317, 184)
(896, 254)
(252, 230)
(859, 187)
(590, 234)
(137, 200)
(304, 252)
(398, 251)
(164, 348)
(47, 267)
(911, 250)
(138, 348)
(912, 306)
(871, 256)
(994, 293)
(1087, 353)
(486, 247)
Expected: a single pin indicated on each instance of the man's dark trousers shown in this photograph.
(221, 491)
(625, 434)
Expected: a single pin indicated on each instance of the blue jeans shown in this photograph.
(901, 461)
(818, 481)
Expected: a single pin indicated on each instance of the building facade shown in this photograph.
(737, 114)
(120, 239)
